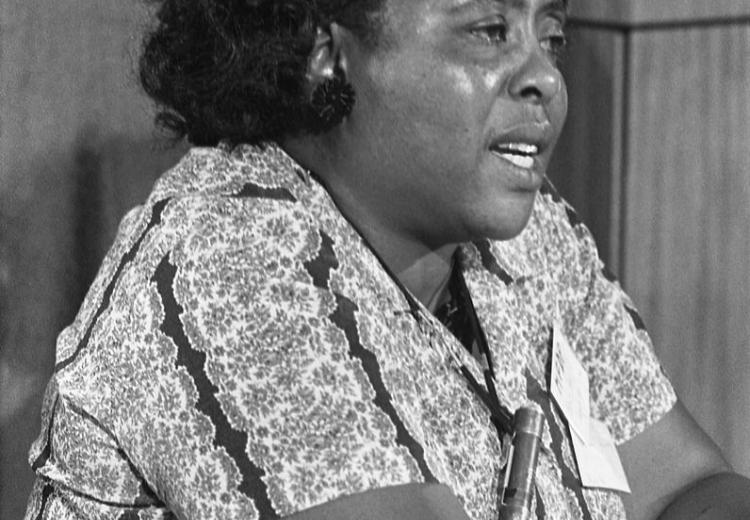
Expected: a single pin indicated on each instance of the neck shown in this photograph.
(427, 278)
(424, 269)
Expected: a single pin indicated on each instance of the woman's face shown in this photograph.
(458, 109)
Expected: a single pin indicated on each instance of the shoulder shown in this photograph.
(233, 238)
(218, 223)
(219, 198)
(228, 209)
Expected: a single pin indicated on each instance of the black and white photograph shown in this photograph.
(375, 260)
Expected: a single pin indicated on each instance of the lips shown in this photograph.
(522, 144)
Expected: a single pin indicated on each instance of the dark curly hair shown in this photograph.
(235, 69)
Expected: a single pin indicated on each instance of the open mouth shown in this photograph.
(519, 154)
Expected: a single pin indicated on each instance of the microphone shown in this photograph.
(528, 425)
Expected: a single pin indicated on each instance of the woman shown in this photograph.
(331, 306)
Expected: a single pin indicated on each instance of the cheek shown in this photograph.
(429, 101)
(563, 99)
(460, 81)
(455, 98)
(559, 109)
(491, 79)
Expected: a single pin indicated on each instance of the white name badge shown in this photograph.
(569, 383)
(598, 461)
(595, 452)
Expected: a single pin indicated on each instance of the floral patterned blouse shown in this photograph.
(244, 354)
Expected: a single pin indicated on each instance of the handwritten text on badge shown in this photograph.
(598, 462)
(569, 383)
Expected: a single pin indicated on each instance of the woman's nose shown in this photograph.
(537, 80)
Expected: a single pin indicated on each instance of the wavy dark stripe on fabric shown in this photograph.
(252, 190)
(321, 266)
(46, 492)
(46, 453)
(194, 361)
(536, 393)
(344, 318)
(490, 262)
(637, 320)
(155, 220)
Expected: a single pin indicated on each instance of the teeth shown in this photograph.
(520, 154)
(524, 148)
(522, 161)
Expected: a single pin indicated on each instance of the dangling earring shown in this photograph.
(332, 101)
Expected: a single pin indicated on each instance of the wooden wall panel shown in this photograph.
(586, 164)
(671, 155)
(650, 12)
(688, 217)
(76, 150)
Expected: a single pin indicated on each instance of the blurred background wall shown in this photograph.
(77, 150)
(656, 156)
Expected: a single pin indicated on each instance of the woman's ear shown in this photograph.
(327, 57)
(332, 97)
(322, 62)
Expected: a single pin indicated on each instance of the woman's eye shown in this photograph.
(492, 33)
(555, 45)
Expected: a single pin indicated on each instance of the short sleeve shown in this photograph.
(81, 471)
(629, 390)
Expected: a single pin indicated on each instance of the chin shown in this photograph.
(507, 223)
(506, 233)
